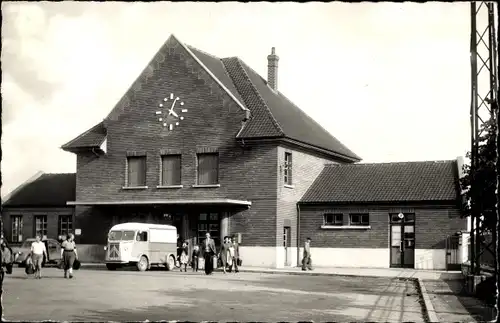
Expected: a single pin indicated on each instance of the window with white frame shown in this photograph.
(41, 225)
(17, 228)
(287, 171)
(359, 219)
(336, 219)
(170, 170)
(65, 225)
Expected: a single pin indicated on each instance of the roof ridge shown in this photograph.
(211, 74)
(394, 163)
(203, 52)
(263, 102)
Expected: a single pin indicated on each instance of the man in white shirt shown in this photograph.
(38, 251)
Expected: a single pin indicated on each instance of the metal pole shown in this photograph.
(473, 61)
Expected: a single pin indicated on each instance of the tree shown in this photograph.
(484, 178)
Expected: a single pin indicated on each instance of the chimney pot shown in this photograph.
(272, 69)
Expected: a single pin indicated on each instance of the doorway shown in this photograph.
(287, 244)
(209, 222)
(402, 238)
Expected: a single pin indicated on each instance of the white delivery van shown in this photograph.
(141, 244)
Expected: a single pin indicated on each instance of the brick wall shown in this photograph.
(28, 215)
(433, 223)
(305, 168)
(212, 122)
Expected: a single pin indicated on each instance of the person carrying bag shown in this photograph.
(69, 255)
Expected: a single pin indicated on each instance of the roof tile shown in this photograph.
(47, 190)
(385, 182)
(93, 137)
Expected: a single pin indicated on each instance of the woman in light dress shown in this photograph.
(184, 258)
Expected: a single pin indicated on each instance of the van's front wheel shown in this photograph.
(170, 263)
(142, 265)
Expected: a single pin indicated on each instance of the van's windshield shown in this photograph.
(121, 235)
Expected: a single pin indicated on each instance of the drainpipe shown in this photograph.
(298, 234)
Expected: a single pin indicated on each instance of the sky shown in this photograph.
(389, 80)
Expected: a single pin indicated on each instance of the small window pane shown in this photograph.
(203, 216)
(333, 219)
(214, 216)
(359, 219)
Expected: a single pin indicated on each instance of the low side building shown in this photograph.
(40, 206)
(382, 215)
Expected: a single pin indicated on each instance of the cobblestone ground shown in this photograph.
(95, 295)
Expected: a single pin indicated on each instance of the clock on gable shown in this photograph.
(168, 114)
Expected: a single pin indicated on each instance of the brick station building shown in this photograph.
(206, 144)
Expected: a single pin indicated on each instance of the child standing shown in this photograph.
(184, 256)
(195, 257)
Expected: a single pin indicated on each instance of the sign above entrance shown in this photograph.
(168, 115)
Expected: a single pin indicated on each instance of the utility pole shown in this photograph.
(484, 105)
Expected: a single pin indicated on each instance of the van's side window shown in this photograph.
(142, 236)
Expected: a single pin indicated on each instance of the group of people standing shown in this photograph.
(229, 254)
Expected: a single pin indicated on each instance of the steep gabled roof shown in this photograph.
(385, 182)
(92, 138)
(46, 190)
(272, 114)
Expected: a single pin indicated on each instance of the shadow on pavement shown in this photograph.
(480, 308)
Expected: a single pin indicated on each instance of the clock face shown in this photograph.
(171, 112)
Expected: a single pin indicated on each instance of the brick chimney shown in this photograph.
(272, 70)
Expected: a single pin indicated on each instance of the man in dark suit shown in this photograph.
(209, 251)
(236, 255)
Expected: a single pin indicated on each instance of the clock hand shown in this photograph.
(171, 111)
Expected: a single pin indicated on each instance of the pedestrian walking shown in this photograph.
(195, 258)
(306, 260)
(209, 253)
(68, 255)
(38, 253)
(235, 254)
(184, 258)
(6, 262)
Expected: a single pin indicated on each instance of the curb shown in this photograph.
(428, 307)
(278, 272)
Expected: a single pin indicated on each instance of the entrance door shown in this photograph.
(287, 244)
(402, 240)
(209, 222)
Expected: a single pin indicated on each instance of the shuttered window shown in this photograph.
(136, 171)
(208, 169)
(170, 170)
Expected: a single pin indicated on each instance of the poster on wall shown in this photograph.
(78, 232)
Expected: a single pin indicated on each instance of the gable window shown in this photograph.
(287, 172)
(170, 170)
(136, 174)
(359, 219)
(41, 225)
(17, 228)
(333, 219)
(208, 169)
(65, 225)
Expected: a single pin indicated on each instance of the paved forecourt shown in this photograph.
(95, 295)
